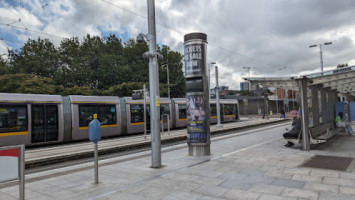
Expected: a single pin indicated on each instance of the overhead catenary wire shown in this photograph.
(30, 30)
(181, 32)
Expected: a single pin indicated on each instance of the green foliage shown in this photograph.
(27, 83)
(125, 89)
(342, 65)
(93, 66)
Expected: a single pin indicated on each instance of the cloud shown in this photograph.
(272, 37)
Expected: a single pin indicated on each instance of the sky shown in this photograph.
(271, 37)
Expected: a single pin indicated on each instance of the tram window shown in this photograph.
(13, 118)
(137, 113)
(164, 109)
(182, 111)
(106, 114)
(213, 110)
(229, 109)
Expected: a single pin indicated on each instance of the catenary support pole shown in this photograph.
(217, 101)
(154, 88)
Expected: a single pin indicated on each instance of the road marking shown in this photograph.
(247, 148)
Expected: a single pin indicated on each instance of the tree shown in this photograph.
(27, 83)
(38, 57)
(176, 77)
(95, 66)
(342, 65)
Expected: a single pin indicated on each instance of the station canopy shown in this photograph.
(341, 80)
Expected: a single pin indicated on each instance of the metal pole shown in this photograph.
(249, 80)
(154, 88)
(167, 68)
(145, 113)
(217, 100)
(209, 78)
(162, 124)
(321, 57)
(293, 100)
(96, 163)
(168, 124)
(304, 109)
(209, 81)
(22, 172)
(277, 102)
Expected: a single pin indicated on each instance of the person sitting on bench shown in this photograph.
(341, 124)
(293, 133)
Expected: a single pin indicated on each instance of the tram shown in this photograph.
(35, 119)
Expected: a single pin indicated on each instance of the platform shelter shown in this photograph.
(320, 96)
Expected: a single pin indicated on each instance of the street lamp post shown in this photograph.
(209, 78)
(217, 101)
(321, 53)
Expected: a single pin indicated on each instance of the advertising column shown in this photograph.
(197, 103)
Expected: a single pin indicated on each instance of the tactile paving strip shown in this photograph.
(328, 162)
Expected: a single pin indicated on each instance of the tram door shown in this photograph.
(44, 123)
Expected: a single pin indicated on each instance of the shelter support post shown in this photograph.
(302, 83)
(332, 100)
(323, 98)
(315, 106)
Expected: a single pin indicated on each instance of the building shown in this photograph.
(244, 86)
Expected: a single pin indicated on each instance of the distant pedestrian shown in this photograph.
(283, 114)
(340, 123)
(294, 132)
(294, 114)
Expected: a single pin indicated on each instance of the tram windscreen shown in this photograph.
(13, 118)
(229, 109)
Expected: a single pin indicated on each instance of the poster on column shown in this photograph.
(194, 59)
(196, 118)
(9, 162)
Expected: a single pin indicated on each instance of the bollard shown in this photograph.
(95, 136)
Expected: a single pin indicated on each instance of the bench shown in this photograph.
(318, 134)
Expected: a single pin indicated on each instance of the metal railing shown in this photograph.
(21, 169)
(162, 123)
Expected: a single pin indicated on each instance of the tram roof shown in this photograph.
(33, 98)
(94, 99)
(341, 80)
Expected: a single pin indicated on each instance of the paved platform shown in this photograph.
(62, 152)
(253, 164)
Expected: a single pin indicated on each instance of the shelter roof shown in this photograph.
(341, 80)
